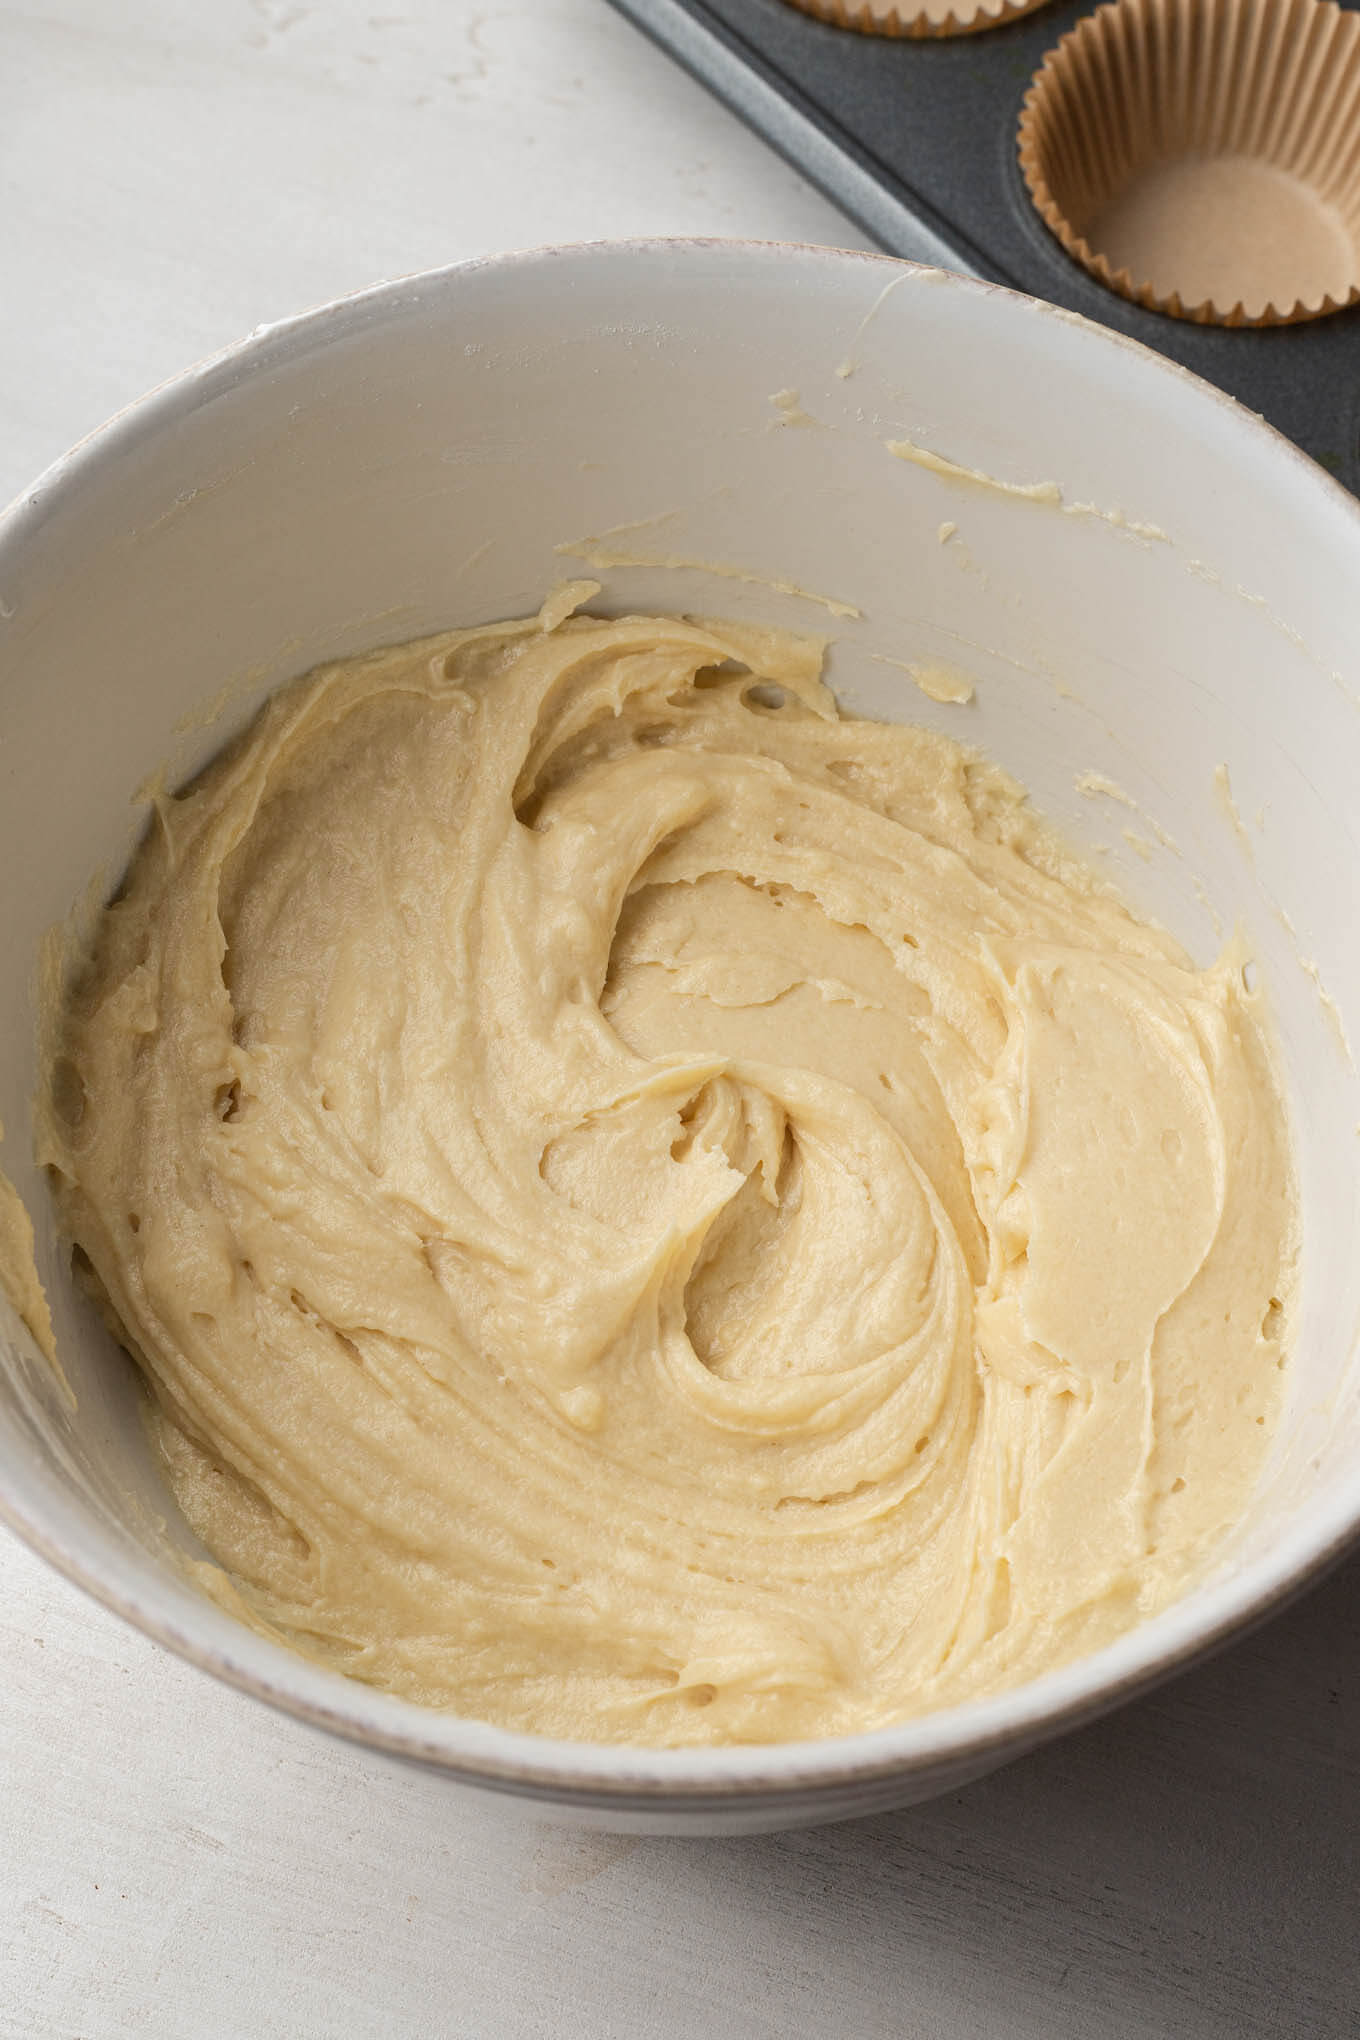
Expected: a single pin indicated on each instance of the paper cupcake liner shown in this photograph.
(1202, 157)
(925, 18)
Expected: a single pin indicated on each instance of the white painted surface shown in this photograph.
(173, 1859)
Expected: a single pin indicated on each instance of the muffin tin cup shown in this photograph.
(937, 18)
(1202, 157)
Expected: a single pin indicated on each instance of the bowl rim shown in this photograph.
(969, 1737)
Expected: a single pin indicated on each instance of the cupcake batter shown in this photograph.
(653, 1212)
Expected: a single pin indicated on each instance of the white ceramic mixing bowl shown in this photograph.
(419, 456)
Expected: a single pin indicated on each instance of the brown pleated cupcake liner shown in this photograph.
(934, 18)
(1202, 157)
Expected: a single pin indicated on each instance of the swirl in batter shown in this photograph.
(654, 1212)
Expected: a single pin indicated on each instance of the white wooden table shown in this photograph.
(176, 1861)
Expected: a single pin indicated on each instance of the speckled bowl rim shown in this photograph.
(953, 1742)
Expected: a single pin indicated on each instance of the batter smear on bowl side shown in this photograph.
(653, 1212)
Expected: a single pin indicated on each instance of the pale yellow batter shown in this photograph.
(654, 1213)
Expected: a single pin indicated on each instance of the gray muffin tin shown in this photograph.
(916, 142)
